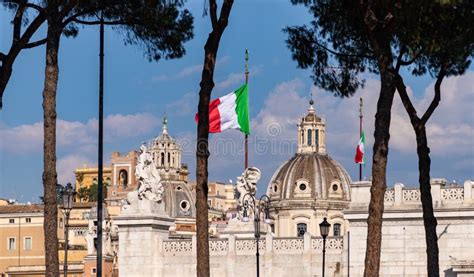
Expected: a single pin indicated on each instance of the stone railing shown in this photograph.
(288, 245)
(247, 246)
(177, 247)
(441, 193)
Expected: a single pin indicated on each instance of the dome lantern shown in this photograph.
(311, 132)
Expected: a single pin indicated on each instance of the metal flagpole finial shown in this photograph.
(246, 61)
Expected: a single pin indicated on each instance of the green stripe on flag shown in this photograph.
(242, 108)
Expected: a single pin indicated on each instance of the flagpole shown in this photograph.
(246, 139)
(360, 134)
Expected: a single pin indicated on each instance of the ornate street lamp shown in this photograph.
(68, 195)
(324, 230)
(259, 209)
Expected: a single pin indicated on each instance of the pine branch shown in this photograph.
(35, 43)
(437, 97)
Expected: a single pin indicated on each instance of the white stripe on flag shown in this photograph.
(227, 112)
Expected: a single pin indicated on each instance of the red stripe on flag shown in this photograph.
(359, 157)
(214, 117)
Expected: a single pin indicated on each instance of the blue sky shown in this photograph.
(138, 93)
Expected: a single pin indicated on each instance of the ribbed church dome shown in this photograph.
(311, 176)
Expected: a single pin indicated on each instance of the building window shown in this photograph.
(169, 158)
(310, 137)
(28, 220)
(11, 244)
(162, 159)
(302, 187)
(184, 205)
(316, 137)
(123, 178)
(12, 220)
(337, 230)
(301, 228)
(94, 270)
(28, 243)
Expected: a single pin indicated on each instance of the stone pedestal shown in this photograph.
(143, 226)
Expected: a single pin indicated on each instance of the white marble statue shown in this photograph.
(150, 186)
(247, 183)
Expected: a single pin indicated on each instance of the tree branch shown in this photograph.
(437, 97)
(405, 63)
(17, 20)
(118, 22)
(342, 54)
(35, 43)
(401, 88)
(403, 50)
(213, 12)
(67, 8)
(34, 6)
(75, 16)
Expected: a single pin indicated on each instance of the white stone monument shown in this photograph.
(143, 223)
(245, 184)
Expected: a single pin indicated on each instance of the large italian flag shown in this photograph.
(230, 111)
(359, 156)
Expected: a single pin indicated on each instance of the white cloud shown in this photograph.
(237, 78)
(66, 166)
(28, 138)
(21, 139)
(186, 71)
(185, 106)
(77, 140)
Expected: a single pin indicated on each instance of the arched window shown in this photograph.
(162, 159)
(302, 136)
(316, 138)
(336, 230)
(301, 228)
(123, 178)
(310, 137)
(169, 158)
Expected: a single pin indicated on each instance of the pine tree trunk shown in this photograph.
(202, 144)
(379, 170)
(49, 147)
(424, 166)
(429, 219)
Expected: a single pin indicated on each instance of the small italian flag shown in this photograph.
(230, 111)
(359, 156)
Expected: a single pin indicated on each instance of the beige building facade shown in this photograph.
(21, 236)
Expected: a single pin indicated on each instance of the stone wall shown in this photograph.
(232, 257)
(403, 234)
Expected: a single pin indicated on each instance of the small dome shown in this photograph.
(310, 176)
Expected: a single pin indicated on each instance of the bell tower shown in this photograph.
(311, 132)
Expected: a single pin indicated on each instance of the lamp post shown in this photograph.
(258, 208)
(68, 195)
(324, 229)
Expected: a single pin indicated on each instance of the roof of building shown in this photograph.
(33, 208)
